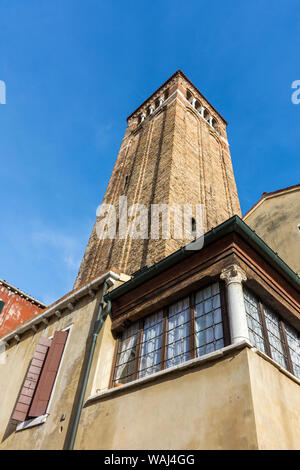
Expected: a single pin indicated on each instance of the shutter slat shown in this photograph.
(30, 383)
(48, 375)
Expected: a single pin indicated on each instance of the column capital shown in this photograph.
(233, 274)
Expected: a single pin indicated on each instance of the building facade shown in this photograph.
(276, 219)
(160, 345)
(16, 307)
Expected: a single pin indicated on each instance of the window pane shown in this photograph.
(208, 321)
(126, 358)
(294, 347)
(276, 344)
(178, 339)
(151, 345)
(254, 321)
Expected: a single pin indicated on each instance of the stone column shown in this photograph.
(233, 277)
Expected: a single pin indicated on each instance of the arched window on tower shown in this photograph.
(206, 114)
(189, 96)
(198, 106)
(214, 124)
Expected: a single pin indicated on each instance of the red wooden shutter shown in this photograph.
(30, 383)
(45, 385)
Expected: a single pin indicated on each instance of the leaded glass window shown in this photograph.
(275, 337)
(151, 345)
(178, 338)
(294, 347)
(190, 327)
(254, 320)
(208, 320)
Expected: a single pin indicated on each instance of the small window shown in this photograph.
(193, 225)
(1, 306)
(126, 181)
(166, 94)
(126, 356)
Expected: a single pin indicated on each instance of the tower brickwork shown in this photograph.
(175, 151)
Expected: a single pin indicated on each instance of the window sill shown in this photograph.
(276, 364)
(30, 423)
(181, 367)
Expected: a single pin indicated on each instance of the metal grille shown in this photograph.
(208, 320)
(254, 321)
(190, 327)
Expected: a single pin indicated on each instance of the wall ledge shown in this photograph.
(275, 364)
(199, 361)
(30, 423)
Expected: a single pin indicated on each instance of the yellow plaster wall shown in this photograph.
(276, 221)
(209, 407)
(276, 400)
(52, 433)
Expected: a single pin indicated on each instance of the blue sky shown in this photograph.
(74, 70)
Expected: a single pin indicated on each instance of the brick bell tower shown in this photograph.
(175, 150)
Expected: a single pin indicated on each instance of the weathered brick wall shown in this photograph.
(173, 156)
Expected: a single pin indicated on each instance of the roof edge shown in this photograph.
(62, 303)
(22, 293)
(178, 72)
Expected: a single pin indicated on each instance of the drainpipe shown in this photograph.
(100, 319)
